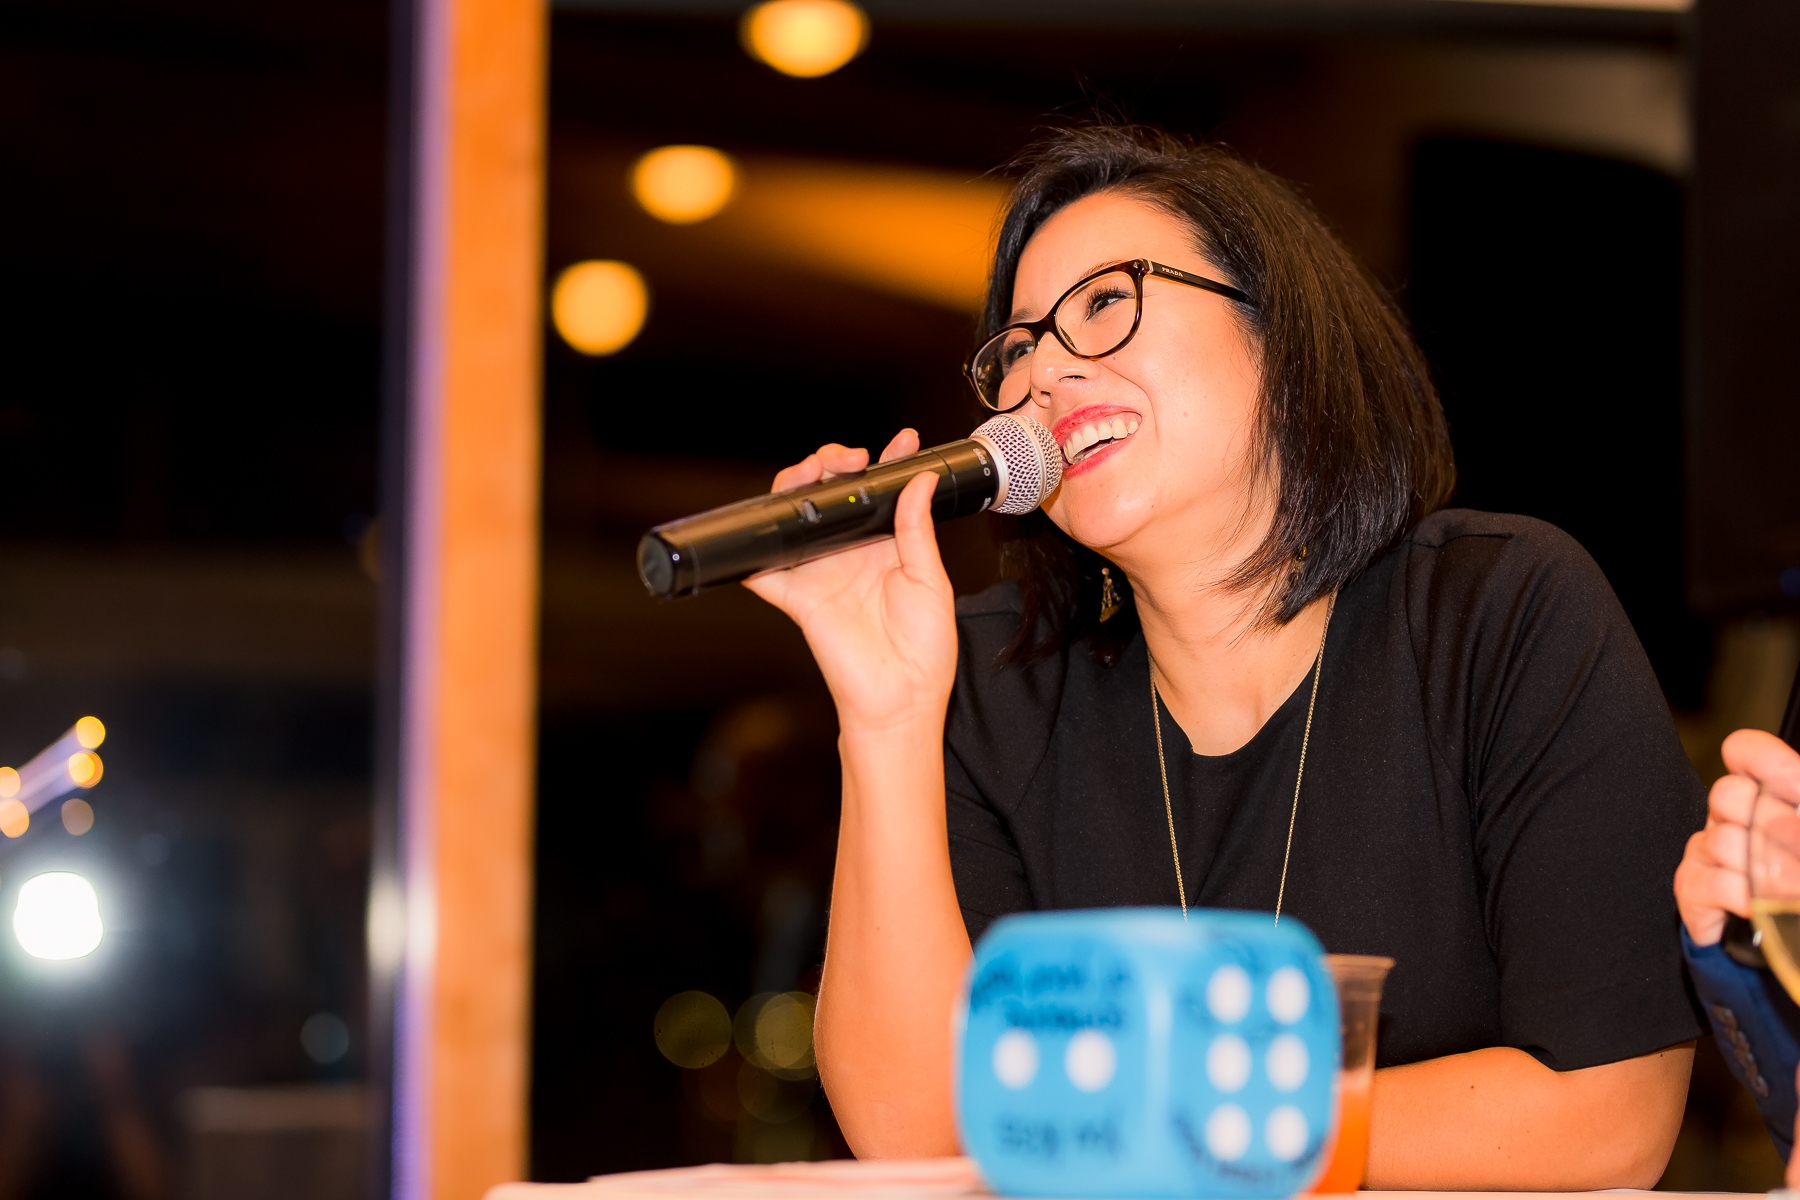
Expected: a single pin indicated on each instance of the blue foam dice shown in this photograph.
(1125, 1052)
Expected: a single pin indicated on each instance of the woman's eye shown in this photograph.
(1011, 354)
(1105, 298)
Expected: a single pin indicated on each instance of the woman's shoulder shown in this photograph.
(1461, 561)
(1000, 711)
(1476, 537)
(1509, 615)
(988, 622)
(1001, 604)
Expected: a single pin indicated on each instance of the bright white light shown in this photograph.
(58, 916)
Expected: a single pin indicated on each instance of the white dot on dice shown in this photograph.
(1287, 1063)
(1228, 994)
(1228, 1062)
(1289, 994)
(1228, 1133)
(1090, 1060)
(1015, 1058)
(1285, 1133)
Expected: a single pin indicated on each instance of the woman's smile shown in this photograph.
(1087, 434)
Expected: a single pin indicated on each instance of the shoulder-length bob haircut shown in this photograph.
(1350, 426)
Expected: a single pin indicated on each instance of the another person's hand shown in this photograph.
(881, 618)
(1711, 883)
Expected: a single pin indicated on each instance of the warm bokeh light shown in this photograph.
(58, 916)
(771, 1098)
(784, 1031)
(806, 38)
(599, 306)
(925, 235)
(15, 818)
(77, 815)
(90, 732)
(692, 1029)
(715, 1089)
(85, 768)
(9, 783)
(683, 184)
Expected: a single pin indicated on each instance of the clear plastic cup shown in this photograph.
(1359, 978)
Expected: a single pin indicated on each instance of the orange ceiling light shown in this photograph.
(805, 38)
(600, 306)
(683, 184)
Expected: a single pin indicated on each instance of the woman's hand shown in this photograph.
(881, 618)
(1711, 881)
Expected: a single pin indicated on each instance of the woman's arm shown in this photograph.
(1499, 1120)
(896, 950)
(881, 622)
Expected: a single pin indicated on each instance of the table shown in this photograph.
(846, 1179)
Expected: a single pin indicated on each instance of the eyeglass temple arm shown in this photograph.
(1200, 281)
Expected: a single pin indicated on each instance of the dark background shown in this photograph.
(190, 239)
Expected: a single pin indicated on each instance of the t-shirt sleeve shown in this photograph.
(1544, 706)
(984, 861)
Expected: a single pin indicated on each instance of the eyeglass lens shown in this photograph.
(1094, 321)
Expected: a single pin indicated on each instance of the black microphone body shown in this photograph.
(1005, 465)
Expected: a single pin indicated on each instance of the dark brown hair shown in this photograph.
(1349, 418)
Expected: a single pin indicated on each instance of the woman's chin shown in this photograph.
(1098, 518)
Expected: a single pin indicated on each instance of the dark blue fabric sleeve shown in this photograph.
(1758, 1029)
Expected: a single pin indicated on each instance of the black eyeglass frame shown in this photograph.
(1139, 269)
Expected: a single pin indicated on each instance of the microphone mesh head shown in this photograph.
(1033, 460)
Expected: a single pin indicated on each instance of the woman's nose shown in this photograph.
(1052, 366)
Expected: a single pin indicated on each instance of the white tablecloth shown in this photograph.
(844, 1179)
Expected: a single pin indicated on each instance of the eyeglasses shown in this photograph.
(1091, 320)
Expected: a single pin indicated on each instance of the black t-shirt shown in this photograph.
(1494, 796)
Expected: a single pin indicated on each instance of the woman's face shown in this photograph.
(1189, 383)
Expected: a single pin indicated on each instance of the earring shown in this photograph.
(1109, 599)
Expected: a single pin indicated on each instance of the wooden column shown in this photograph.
(450, 918)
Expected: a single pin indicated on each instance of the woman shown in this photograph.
(1425, 734)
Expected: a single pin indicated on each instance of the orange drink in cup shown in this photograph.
(1359, 978)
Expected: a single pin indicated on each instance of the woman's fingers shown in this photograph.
(841, 460)
(828, 460)
(1771, 762)
(806, 471)
(914, 531)
(904, 443)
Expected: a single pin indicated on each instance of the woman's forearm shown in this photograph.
(1499, 1120)
(895, 952)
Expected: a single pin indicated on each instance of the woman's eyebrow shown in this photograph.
(1021, 315)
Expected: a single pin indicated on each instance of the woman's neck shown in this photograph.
(1222, 672)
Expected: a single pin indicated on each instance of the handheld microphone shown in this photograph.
(1008, 465)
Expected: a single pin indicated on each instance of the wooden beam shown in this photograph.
(462, 633)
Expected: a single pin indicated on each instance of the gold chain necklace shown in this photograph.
(1293, 813)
